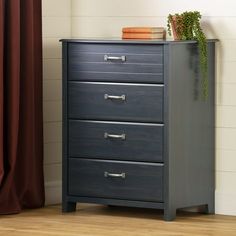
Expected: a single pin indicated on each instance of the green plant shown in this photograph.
(187, 27)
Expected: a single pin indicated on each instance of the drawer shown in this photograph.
(116, 140)
(118, 63)
(113, 179)
(114, 101)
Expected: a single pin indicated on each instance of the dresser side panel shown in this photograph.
(191, 135)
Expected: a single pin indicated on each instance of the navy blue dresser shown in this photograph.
(136, 131)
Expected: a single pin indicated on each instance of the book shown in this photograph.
(143, 35)
(143, 29)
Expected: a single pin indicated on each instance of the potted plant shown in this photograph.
(186, 26)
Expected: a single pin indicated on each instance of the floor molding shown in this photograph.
(225, 204)
(53, 192)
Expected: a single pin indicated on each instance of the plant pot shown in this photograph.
(173, 27)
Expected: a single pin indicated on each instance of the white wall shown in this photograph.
(105, 18)
(56, 25)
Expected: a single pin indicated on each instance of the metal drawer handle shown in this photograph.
(113, 175)
(115, 136)
(113, 58)
(122, 97)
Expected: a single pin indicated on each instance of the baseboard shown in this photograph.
(53, 192)
(225, 204)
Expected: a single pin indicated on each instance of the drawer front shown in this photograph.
(116, 140)
(112, 179)
(110, 101)
(118, 63)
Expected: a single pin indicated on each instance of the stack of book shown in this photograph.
(143, 33)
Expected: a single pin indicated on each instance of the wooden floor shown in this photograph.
(92, 220)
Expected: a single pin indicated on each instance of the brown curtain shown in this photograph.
(21, 135)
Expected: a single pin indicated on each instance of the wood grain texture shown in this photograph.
(86, 101)
(137, 58)
(117, 67)
(91, 220)
(141, 63)
(142, 181)
(143, 142)
(190, 134)
(102, 47)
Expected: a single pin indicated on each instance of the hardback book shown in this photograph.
(143, 29)
(143, 36)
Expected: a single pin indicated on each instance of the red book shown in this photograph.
(143, 36)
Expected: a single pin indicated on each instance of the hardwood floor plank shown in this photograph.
(94, 220)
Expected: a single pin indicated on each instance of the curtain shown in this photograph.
(21, 124)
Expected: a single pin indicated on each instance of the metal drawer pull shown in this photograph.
(114, 136)
(112, 58)
(107, 174)
(122, 97)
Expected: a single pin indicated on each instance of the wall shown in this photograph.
(105, 18)
(56, 25)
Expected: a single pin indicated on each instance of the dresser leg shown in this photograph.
(210, 208)
(169, 214)
(68, 206)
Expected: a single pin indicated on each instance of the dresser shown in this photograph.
(136, 131)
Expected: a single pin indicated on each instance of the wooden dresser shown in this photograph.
(136, 131)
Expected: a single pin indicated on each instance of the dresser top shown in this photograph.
(129, 41)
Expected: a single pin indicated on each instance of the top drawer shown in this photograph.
(114, 62)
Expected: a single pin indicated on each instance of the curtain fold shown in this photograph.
(1, 89)
(21, 125)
